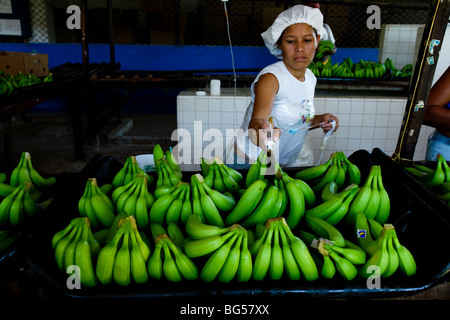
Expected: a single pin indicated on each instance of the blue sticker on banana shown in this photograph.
(361, 233)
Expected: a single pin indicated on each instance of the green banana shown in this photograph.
(186, 266)
(340, 212)
(138, 265)
(215, 262)
(264, 208)
(247, 202)
(325, 230)
(170, 268)
(83, 259)
(276, 267)
(302, 255)
(201, 247)
(262, 258)
(122, 262)
(384, 208)
(196, 229)
(245, 268)
(231, 265)
(155, 262)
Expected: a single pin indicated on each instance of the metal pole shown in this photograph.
(421, 79)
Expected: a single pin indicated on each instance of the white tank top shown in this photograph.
(293, 112)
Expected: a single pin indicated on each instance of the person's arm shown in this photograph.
(265, 91)
(436, 113)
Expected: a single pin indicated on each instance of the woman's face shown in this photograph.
(298, 45)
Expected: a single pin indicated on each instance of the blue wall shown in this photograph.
(162, 58)
(167, 57)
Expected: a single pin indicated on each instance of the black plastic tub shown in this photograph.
(419, 225)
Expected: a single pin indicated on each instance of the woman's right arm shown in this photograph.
(265, 91)
(436, 113)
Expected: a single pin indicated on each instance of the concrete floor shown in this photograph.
(48, 138)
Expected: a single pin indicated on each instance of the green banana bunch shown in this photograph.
(247, 202)
(203, 239)
(338, 168)
(384, 248)
(96, 205)
(264, 209)
(230, 260)
(313, 66)
(48, 78)
(25, 171)
(19, 205)
(123, 259)
(169, 206)
(372, 199)
(220, 177)
(277, 251)
(135, 199)
(128, 172)
(431, 178)
(344, 260)
(209, 209)
(173, 164)
(6, 87)
(336, 207)
(168, 259)
(6, 239)
(389, 64)
(76, 245)
(168, 171)
(324, 48)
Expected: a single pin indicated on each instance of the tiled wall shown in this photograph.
(398, 42)
(365, 123)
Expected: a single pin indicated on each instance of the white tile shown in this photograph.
(370, 106)
(214, 104)
(202, 116)
(383, 107)
(367, 132)
(381, 120)
(331, 106)
(380, 133)
(354, 132)
(357, 106)
(201, 104)
(395, 120)
(353, 144)
(344, 105)
(356, 119)
(368, 120)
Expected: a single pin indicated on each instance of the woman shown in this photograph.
(437, 115)
(285, 91)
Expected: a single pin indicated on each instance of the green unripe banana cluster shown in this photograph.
(362, 69)
(383, 248)
(19, 197)
(9, 82)
(75, 245)
(436, 179)
(199, 229)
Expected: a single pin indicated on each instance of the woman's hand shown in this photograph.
(257, 132)
(326, 119)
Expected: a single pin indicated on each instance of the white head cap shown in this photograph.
(295, 14)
